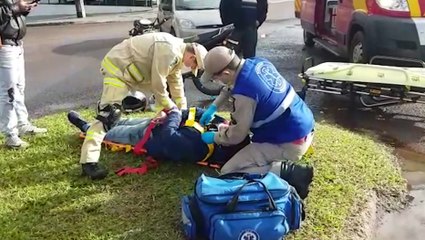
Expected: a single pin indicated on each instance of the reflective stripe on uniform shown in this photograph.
(135, 73)
(158, 108)
(90, 135)
(110, 67)
(181, 102)
(178, 100)
(279, 111)
(116, 82)
(166, 103)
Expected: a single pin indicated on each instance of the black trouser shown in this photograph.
(247, 38)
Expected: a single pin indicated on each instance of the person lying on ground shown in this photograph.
(179, 140)
(173, 140)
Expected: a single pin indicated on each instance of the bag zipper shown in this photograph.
(230, 196)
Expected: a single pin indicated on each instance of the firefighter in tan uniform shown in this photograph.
(143, 63)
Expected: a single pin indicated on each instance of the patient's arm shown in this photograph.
(171, 123)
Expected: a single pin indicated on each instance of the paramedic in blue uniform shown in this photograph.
(265, 104)
(247, 16)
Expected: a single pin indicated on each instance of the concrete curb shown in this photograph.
(68, 22)
(73, 21)
(278, 10)
(364, 225)
(368, 216)
(107, 18)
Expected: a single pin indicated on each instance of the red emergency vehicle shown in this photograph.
(361, 29)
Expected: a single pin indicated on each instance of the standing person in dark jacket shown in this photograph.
(247, 16)
(13, 112)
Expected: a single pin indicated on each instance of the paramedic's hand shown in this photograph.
(208, 115)
(208, 137)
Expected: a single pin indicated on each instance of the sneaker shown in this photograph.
(31, 129)
(93, 171)
(76, 120)
(15, 142)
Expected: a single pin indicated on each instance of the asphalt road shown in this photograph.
(62, 64)
(62, 73)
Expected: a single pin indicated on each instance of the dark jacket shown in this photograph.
(231, 12)
(172, 141)
(12, 23)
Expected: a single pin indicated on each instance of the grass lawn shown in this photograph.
(42, 195)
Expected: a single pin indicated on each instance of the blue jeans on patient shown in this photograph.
(128, 131)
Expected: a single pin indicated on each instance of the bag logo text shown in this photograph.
(270, 77)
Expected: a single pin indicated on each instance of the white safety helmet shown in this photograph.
(134, 102)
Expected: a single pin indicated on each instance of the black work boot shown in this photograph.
(298, 176)
(77, 121)
(93, 171)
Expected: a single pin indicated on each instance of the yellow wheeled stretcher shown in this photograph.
(377, 85)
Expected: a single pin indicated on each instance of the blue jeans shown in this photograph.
(128, 131)
(13, 112)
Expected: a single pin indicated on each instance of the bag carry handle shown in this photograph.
(231, 206)
(241, 175)
(233, 175)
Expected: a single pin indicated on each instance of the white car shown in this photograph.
(186, 18)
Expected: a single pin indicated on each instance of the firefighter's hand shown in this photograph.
(161, 114)
(173, 108)
(208, 115)
(208, 137)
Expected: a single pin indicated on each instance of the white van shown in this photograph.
(187, 18)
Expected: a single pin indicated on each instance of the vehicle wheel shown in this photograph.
(210, 88)
(308, 39)
(357, 49)
(211, 91)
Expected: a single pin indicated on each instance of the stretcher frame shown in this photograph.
(372, 93)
